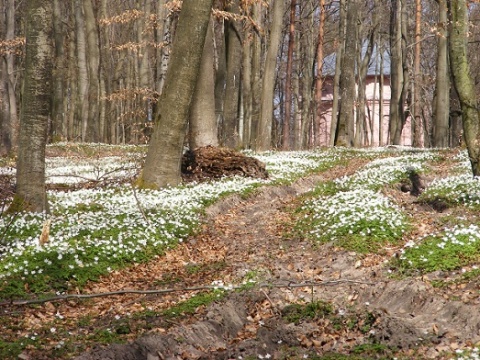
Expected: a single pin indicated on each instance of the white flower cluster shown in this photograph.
(468, 354)
(293, 164)
(360, 209)
(385, 171)
(362, 212)
(463, 189)
(105, 226)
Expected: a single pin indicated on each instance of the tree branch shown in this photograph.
(172, 290)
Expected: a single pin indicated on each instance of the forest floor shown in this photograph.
(307, 301)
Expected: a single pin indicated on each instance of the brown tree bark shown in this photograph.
(417, 79)
(338, 66)
(257, 12)
(360, 138)
(203, 124)
(398, 73)
(58, 130)
(462, 80)
(93, 68)
(288, 77)
(9, 117)
(163, 161)
(36, 96)
(81, 118)
(319, 68)
(231, 101)
(345, 136)
(307, 41)
(264, 136)
(441, 106)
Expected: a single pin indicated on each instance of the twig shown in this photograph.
(139, 205)
(171, 290)
(275, 309)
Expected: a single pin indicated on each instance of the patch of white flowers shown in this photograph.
(468, 354)
(385, 171)
(95, 228)
(454, 246)
(462, 189)
(359, 209)
(293, 164)
(361, 212)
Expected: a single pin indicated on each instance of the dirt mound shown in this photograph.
(211, 162)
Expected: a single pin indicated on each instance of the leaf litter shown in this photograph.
(409, 317)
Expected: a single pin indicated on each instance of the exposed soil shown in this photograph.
(406, 318)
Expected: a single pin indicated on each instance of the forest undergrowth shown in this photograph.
(332, 257)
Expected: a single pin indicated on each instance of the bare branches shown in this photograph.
(286, 284)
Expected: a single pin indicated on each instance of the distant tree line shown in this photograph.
(243, 74)
(110, 58)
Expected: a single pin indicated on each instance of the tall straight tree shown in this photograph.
(35, 112)
(203, 123)
(288, 79)
(231, 101)
(164, 155)
(441, 106)
(342, 24)
(8, 112)
(264, 134)
(319, 67)
(417, 77)
(398, 69)
(345, 133)
(462, 80)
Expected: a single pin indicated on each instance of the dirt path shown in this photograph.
(244, 237)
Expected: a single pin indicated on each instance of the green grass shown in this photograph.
(295, 313)
(190, 306)
(449, 250)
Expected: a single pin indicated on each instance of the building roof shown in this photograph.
(328, 68)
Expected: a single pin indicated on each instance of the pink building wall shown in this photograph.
(372, 113)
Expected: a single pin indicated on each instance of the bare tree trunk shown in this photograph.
(256, 76)
(58, 129)
(231, 100)
(398, 67)
(381, 140)
(338, 66)
(441, 106)
(264, 136)
(12, 78)
(5, 126)
(9, 119)
(203, 124)
(458, 31)
(36, 111)
(347, 79)
(288, 79)
(163, 161)
(93, 68)
(163, 53)
(82, 65)
(417, 81)
(144, 38)
(247, 96)
(72, 103)
(319, 74)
